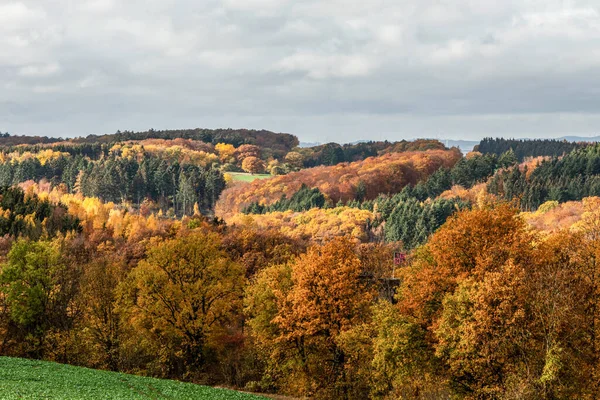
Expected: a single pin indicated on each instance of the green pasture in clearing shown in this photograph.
(244, 177)
(26, 379)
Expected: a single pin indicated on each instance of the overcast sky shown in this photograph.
(325, 70)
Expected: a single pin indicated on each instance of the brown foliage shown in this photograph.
(256, 249)
(253, 165)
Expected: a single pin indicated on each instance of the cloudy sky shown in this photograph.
(326, 70)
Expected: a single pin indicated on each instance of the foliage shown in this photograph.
(411, 222)
(253, 165)
(316, 224)
(124, 175)
(278, 144)
(333, 153)
(323, 302)
(32, 217)
(39, 288)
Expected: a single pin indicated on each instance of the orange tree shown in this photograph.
(313, 315)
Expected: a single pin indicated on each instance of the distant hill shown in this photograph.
(27, 379)
(464, 145)
(309, 144)
(7, 139)
(580, 138)
(388, 173)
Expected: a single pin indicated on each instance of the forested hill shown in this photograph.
(278, 142)
(7, 139)
(528, 147)
(572, 177)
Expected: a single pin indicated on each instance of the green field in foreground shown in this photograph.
(26, 379)
(244, 177)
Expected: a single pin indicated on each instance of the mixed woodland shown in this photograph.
(141, 252)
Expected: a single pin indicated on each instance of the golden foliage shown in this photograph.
(316, 225)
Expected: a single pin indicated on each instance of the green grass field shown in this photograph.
(244, 177)
(26, 379)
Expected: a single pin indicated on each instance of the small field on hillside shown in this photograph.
(26, 379)
(245, 177)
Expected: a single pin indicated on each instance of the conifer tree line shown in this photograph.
(572, 177)
(527, 147)
(119, 179)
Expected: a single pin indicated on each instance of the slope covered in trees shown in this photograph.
(122, 175)
(572, 177)
(408, 217)
(359, 180)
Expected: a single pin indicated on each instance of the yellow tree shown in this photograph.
(184, 294)
(226, 152)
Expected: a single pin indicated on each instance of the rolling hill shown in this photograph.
(27, 379)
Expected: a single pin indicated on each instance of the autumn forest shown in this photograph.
(373, 270)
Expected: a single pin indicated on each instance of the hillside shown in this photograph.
(26, 379)
(368, 178)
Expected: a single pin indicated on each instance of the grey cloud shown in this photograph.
(336, 68)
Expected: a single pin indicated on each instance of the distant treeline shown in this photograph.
(279, 143)
(91, 150)
(334, 153)
(527, 148)
(572, 177)
(7, 139)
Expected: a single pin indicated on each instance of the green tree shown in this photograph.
(39, 288)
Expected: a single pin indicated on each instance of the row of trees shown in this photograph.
(277, 144)
(334, 153)
(523, 148)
